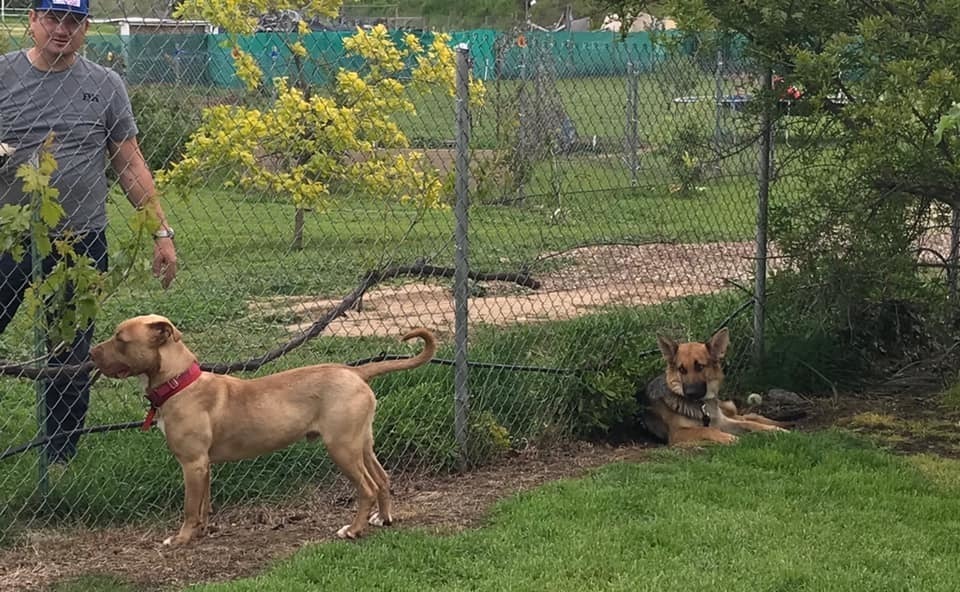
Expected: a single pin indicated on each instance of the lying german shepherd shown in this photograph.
(680, 407)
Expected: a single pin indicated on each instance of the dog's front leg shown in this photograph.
(756, 417)
(697, 436)
(740, 425)
(196, 501)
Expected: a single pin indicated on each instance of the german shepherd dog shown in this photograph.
(680, 406)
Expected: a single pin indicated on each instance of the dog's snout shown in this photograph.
(695, 390)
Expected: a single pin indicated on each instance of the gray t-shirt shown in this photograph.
(87, 107)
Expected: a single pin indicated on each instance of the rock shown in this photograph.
(776, 396)
(784, 405)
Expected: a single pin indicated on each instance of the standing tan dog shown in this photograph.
(214, 418)
(681, 406)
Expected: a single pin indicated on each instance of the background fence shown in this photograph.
(612, 195)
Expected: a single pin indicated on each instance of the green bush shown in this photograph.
(609, 356)
(689, 155)
(417, 421)
(853, 303)
(166, 117)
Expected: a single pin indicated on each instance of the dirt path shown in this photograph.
(589, 278)
(246, 539)
(593, 277)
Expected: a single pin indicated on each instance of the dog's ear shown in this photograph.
(163, 331)
(668, 347)
(718, 344)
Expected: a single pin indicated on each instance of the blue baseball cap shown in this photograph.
(81, 7)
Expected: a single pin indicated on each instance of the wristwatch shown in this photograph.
(164, 233)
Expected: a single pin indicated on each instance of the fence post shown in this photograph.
(953, 259)
(633, 81)
(298, 223)
(39, 347)
(718, 131)
(523, 141)
(461, 254)
(763, 195)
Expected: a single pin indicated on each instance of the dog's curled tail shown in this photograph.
(368, 371)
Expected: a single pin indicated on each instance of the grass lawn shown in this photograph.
(801, 511)
(597, 106)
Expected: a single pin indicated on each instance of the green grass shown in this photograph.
(597, 106)
(797, 512)
(93, 583)
(800, 512)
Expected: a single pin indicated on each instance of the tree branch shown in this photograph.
(371, 279)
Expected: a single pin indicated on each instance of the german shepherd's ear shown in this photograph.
(163, 331)
(668, 347)
(717, 346)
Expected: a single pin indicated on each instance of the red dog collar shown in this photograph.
(161, 394)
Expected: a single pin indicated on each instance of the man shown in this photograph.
(51, 88)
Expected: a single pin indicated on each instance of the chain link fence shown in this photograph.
(605, 191)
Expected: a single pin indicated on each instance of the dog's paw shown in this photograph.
(377, 519)
(344, 533)
(726, 438)
(180, 539)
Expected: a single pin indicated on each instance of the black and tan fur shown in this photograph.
(681, 407)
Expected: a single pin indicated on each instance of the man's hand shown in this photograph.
(164, 261)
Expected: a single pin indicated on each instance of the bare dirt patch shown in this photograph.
(591, 278)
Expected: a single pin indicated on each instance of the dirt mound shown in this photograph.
(591, 278)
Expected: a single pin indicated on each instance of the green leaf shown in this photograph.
(51, 212)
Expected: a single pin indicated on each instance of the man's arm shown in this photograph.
(136, 181)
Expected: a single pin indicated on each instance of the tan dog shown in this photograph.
(681, 406)
(210, 418)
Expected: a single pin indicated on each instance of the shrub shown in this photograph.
(689, 155)
(166, 117)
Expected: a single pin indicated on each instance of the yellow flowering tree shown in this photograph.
(306, 141)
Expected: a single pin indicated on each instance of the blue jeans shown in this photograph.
(66, 398)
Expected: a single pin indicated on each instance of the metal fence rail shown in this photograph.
(602, 193)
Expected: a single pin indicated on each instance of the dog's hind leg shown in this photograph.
(729, 408)
(383, 516)
(351, 462)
